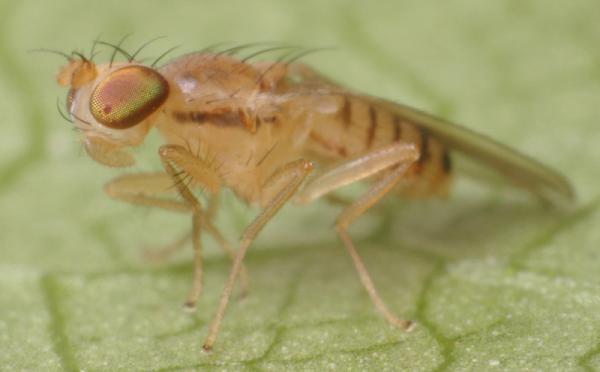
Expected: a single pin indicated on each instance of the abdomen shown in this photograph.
(358, 127)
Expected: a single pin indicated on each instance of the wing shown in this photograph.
(518, 168)
(522, 170)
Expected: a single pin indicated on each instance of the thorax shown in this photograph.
(220, 114)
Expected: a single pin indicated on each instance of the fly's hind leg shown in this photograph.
(349, 215)
(395, 160)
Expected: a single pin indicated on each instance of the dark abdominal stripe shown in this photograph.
(425, 151)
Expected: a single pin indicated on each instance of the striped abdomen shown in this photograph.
(359, 126)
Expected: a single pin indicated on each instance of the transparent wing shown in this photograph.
(521, 169)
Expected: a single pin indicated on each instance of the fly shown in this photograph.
(260, 129)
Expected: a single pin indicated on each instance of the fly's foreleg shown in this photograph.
(146, 189)
(157, 190)
(395, 160)
(180, 163)
(150, 190)
(282, 185)
(180, 166)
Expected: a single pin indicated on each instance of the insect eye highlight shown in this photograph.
(127, 96)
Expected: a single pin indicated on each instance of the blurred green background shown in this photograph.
(494, 280)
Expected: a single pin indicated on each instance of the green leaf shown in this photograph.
(494, 280)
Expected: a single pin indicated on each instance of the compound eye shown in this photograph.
(127, 96)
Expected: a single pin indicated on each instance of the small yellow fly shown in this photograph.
(259, 129)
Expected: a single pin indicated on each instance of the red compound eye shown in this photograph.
(127, 96)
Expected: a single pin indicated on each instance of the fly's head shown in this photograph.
(113, 105)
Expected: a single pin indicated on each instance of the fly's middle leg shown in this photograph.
(280, 187)
(396, 159)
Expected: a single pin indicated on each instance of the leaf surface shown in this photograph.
(494, 280)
